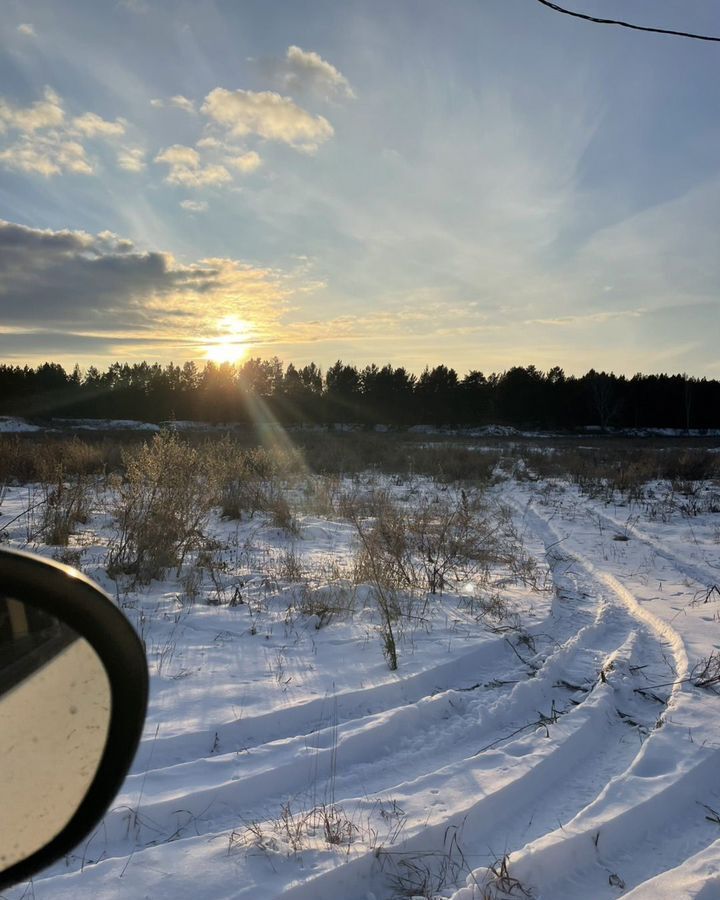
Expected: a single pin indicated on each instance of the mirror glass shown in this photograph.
(54, 719)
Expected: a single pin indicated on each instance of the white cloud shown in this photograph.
(46, 155)
(203, 176)
(47, 143)
(209, 143)
(27, 29)
(182, 103)
(194, 205)
(246, 162)
(179, 101)
(43, 145)
(185, 168)
(179, 155)
(92, 125)
(305, 70)
(268, 115)
(131, 159)
(45, 113)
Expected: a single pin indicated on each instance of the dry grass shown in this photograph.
(292, 830)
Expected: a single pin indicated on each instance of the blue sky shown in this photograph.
(480, 183)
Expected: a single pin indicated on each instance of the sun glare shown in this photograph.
(232, 344)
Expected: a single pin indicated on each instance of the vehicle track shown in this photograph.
(426, 736)
(653, 636)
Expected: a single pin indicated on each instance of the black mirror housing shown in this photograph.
(82, 615)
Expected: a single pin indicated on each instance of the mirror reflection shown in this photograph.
(54, 720)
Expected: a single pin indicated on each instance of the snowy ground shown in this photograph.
(560, 750)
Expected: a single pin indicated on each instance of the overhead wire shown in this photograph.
(600, 21)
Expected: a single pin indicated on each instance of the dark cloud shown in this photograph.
(70, 293)
(72, 278)
(33, 343)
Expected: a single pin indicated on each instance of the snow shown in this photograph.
(13, 425)
(571, 742)
(105, 424)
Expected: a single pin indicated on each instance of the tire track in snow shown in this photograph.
(694, 571)
(655, 632)
(564, 757)
(290, 766)
(366, 754)
(306, 718)
(637, 807)
(664, 632)
(500, 785)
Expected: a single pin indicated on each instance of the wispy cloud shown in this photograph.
(305, 71)
(194, 206)
(27, 29)
(179, 101)
(92, 125)
(598, 318)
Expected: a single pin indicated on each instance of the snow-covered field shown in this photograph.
(547, 732)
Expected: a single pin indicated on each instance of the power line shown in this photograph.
(587, 18)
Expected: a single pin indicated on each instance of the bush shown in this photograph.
(238, 476)
(65, 505)
(424, 547)
(327, 602)
(162, 507)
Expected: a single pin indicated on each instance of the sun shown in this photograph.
(226, 351)
(232, 344)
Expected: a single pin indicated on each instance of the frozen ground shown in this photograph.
(15, 424)
(559, 750)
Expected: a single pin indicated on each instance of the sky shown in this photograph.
(481, 184)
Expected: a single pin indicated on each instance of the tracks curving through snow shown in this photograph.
(554, 746)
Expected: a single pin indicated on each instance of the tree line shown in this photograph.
(522, 396)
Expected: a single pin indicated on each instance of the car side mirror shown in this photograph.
(73, 696)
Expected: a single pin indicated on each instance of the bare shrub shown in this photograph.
(191, 584)
(385, 556)
(28, 458)
(383, 592)
(161, 509)
(65, 505)
(491, 611)
(70, 557)
(290, 565)
(690, 465)
(321, 495)
(427, 546)
(327, 602)
(238, 476)
(281, 515)
(706, 673)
